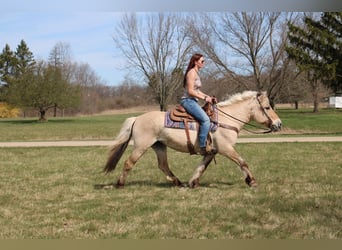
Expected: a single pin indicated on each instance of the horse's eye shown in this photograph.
(268, 107)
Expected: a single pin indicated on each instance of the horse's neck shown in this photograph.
(240, 111)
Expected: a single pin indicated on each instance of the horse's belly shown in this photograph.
(176, 138)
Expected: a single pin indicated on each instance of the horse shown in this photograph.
(148, 131)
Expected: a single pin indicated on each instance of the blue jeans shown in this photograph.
(194, 109)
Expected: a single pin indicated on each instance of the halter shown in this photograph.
(247, 123)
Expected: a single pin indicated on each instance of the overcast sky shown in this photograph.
(88, 25)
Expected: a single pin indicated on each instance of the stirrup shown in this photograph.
(205, 151)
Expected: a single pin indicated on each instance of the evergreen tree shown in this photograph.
(330, 25)
(24, 58)
(309, 48)
(7, 64)
(316, 48)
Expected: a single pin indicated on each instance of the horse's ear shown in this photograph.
(260, 93)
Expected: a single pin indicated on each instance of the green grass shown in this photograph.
(61, 193)
(69, 128)
(327, 121)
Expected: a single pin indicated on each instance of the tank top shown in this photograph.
(197, 86)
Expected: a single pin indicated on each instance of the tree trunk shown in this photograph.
(315, 109)
(162, 107)
(315, 95)
(42, 117)
(55, 110)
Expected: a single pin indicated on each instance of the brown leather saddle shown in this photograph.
(179, 114)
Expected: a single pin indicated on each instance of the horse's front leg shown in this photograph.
(234, 156)
(194, 181)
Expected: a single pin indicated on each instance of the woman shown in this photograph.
(192, 93)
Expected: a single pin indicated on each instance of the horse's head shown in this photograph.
(264, 114)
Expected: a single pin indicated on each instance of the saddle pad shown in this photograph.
(180, 125)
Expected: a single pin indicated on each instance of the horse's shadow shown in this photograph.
(112, 185)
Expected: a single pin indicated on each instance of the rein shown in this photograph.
(246, 123)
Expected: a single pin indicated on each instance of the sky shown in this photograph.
(89, 35)
(88, 25)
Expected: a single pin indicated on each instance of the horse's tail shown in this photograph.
(120, 144)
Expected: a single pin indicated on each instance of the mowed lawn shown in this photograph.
(327, 122)
(61, 192)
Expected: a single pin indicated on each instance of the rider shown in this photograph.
(192, 93)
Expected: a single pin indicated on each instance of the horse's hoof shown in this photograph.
(177, 183)
(251, 182)
(181, 185)
(194, 184)
(119, 185)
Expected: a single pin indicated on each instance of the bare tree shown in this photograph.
(60, 54)
(155, 47)
(60, 59)
(245, 44)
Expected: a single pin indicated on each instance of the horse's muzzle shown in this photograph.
(276, 126)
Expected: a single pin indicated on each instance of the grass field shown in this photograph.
(328, 121)
(69, 128)
(306, 122)
(61, 193)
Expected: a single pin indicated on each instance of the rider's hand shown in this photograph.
(208, 99)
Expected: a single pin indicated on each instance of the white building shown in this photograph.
(335, 101)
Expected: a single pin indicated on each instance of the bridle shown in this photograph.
(264, 109)
(268, 130)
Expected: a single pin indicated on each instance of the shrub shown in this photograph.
(6, 111)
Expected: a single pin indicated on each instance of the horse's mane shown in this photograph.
(239, 97)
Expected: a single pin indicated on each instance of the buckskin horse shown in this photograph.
(149, 130)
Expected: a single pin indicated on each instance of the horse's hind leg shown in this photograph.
(129, 164)
(163, 164)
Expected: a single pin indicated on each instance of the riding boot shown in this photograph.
(203, 151)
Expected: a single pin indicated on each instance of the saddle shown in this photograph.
(179, 114)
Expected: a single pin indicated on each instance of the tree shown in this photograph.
(24, 59)
(60, 58)
(329, 31)
(156, 48)
(7, 69)
(251, 45)
(60, 55)
(15, 67)
(7, 65)
(307, 48)
(41, 88)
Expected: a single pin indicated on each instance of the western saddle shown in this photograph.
(179, 114)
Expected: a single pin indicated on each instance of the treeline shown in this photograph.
(295, 57)
(242, 50)
(59, 86)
